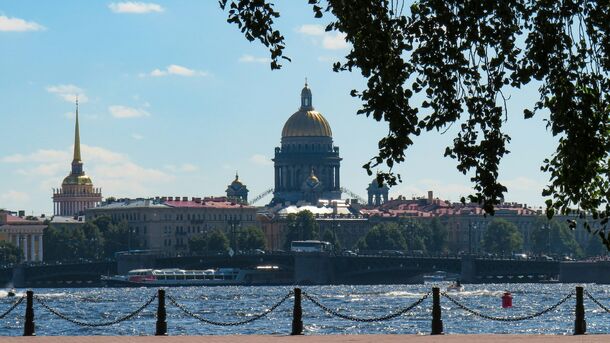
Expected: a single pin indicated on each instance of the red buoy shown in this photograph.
(507, 300)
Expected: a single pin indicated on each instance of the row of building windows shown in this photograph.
(169, 217)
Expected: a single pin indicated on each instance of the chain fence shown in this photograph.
(82, 323)
(217, 323)
(365, 320)
(508, 319)
(590, 296)
(13, 306)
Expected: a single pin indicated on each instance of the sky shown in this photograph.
(174, 101)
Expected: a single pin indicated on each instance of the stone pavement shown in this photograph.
(316, 339)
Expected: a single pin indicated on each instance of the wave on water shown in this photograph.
(403, 294)
(479, 292)
(52, 295)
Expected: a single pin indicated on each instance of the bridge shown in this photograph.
(305, 268)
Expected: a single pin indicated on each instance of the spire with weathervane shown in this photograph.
(77, 163)
(77, 192)
(306, 98)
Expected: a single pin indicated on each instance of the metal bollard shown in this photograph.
(580, 324)
(297, 314)
(28, 327)
(161, 315)
(437, 322)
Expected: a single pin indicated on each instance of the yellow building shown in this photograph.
(25, 234)
(77, 192)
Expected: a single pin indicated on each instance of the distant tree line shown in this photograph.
(216, 241)
(98, 239)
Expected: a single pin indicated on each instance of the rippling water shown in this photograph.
(229, 304)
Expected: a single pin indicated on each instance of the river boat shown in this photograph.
(455, 287)
(261, 275)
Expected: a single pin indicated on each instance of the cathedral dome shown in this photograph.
(306, 122)
(77, 180)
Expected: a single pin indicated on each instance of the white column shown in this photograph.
(40, 248)
(24, 247)
(32, 247)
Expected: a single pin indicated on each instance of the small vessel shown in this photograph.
(11, 293)
(261, 275)
(455, 287)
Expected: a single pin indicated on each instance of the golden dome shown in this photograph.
(77, 180)
(306, 124)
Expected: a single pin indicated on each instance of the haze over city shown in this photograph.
(173, 101)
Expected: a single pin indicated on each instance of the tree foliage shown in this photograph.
(96, 239)
(9, 253)
(553, 237)
(502, 237)
(251, 238)
(439, 63)
(209, 242)
(301, 226)
(387, 236)
(331, 237)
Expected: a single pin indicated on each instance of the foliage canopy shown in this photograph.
(438, 63)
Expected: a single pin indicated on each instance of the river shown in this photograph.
(229, 304)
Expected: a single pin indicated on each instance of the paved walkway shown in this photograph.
(316, 339)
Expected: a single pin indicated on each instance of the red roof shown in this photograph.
(207, 203)
(10, 219)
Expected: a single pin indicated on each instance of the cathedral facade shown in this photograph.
(307, 164)
(77, 192)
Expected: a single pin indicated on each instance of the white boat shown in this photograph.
(455, 287)
(261, 275)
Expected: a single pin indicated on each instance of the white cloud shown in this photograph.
(260, 160)
(135, 7)
(334, 41)
(45, 169)
(522, 183)
(119, 111)
(114, 171)
(41, 155)
(12, 198)
(328, 40)
(183, 168)
(18, 25)
(252, 59)
(68, 93)
(175, 69)
(311, 30)
(137, 136)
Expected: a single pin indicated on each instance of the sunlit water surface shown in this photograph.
(228, 304)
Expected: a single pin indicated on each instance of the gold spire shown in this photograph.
(76, 137)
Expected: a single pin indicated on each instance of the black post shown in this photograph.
(161, 315)
(28, 327)
(437, 322)
(297, 314)
(580, 325)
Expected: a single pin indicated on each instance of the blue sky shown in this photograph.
(174, 100)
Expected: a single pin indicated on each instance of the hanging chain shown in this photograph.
(597, 302)
(81, 323)
(365, 320)
(507, 319)
(212, 322)
(13, 306)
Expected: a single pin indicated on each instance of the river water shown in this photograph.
(229, 304)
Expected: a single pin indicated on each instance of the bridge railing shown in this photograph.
(297, 321)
